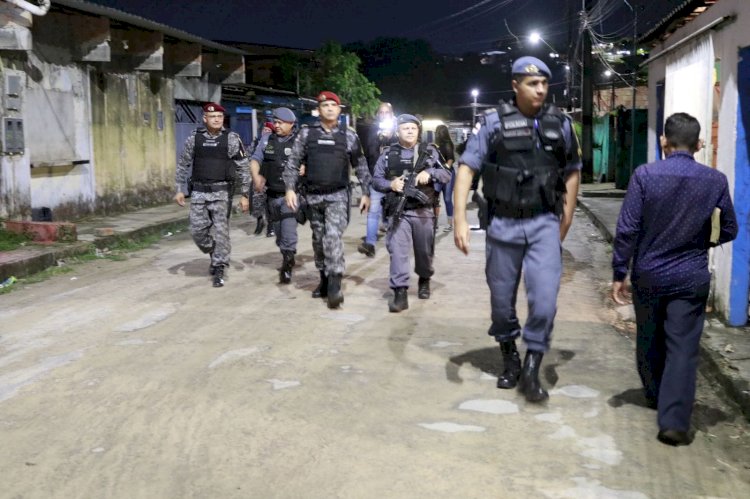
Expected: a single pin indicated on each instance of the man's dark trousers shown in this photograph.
(667, 350)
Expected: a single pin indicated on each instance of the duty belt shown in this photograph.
(212, 187)
(324, 190)
(505, 212)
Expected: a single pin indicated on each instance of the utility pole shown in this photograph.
(587, 99)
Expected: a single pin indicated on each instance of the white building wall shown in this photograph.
(56, 112)
(727, 41)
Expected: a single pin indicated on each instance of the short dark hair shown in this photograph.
(682, 130)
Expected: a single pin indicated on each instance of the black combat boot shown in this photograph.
(399, 301)
(285, 274)
(335, 295)
(260, 224)
(366, 249)
(423, 289)
(322, 290)
(270, 232)
(529, 383)
(218, 276)
(511, 365)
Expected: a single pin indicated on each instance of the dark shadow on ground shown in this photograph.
(489, 361)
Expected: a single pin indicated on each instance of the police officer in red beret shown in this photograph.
(212, 160)
(327, 150)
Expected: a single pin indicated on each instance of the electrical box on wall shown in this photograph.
(12, 131)
(13, 90)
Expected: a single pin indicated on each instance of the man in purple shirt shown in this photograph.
(665, 228)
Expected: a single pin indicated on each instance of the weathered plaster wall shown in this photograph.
(133, 139)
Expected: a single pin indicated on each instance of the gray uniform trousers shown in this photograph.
(207, 211)
(416, 231)
(283, 221)
(532, 244)
(329, 216)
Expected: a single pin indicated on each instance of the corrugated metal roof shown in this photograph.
(141, 22)
(679, 17)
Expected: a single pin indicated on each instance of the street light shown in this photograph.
(535, 38)
(474, 94)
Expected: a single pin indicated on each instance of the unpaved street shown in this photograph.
(137, 379)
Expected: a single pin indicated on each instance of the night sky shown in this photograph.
(451, 26)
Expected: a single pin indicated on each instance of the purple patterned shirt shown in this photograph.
(665, 224)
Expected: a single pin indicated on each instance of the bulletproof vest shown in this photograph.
(327, 159)
(211, 162)
(397, 166)
(523, 171)
(274, 157)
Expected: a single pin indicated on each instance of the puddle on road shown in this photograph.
(234, 355)
(12, 382)
(447, 427)
(149, 319)
(490, 406)
(280, 384)
(576, 392)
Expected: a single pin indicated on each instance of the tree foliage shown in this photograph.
(338, 71)
(331, 68)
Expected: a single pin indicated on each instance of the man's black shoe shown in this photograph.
(367, 249)
(529, 384)
(399, 302)
(285, 274)
(260, 225)
(511, 365)
(335, 295)
(322, 290)
(423, 289)
(269, 231)
(674, 437)
(219, 276)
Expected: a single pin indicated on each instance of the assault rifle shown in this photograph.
(410, 191)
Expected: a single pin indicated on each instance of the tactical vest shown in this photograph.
(398, 166)
(211, 161)
(327, 166)
(274, 157)
(523, 172)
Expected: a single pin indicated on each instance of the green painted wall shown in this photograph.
(134, 158)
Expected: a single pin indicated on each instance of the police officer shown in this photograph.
(212, 159)
(327, 150)
(530, 178)
(267, 167)
(414, 166)
(381, 136)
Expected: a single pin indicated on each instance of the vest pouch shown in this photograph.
(509, 182)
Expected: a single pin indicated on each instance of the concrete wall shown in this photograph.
(133, 139)
(57, 117)
(726, 42)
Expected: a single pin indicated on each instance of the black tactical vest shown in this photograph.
(274, 157)
(211, 161)
(327, 166)
(523, 171)
(398, 166)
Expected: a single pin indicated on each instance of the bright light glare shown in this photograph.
(608, 73)
(534, 37)
(475, 93)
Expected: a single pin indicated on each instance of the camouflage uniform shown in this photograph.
(328, 211)
(211, 209)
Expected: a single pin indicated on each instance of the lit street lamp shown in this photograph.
(474, 94)
(535, 38)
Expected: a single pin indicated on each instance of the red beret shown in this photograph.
(212, 107)
(326, 95)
